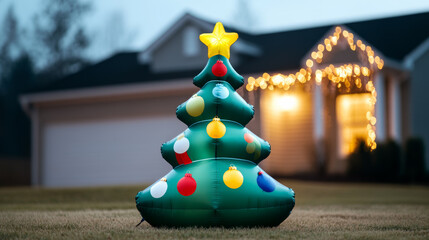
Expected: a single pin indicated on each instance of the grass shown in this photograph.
(322, 211)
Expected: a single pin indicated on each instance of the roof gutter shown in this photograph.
(141, 90)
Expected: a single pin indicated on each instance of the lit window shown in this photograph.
(286, 102)
(352, 120)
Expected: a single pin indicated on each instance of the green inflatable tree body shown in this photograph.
(216, 180)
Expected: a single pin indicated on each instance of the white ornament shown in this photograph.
(181, 145)
(159, 189)
(220, 91)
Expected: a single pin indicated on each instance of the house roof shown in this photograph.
(122, 68)
(394, 37)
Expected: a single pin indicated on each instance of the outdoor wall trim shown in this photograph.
(416, 54)
(394, 108)
(394, 64)
(142, 90)
(35, 157)
(380, 106)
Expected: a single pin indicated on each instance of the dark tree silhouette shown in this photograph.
(14, 124)
(9, 43)
(61, 37)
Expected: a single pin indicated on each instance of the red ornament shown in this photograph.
(183, 158)
(187, 185)
(219, 69)
(248, 138)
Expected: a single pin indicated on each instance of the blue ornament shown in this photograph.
(265, 182)
(220, 91)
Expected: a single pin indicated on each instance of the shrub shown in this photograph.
(414, 159)
(387, 161)
(359, 162)
(383, 164)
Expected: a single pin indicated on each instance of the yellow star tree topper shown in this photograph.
(219, 41)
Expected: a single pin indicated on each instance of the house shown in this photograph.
(104, 124)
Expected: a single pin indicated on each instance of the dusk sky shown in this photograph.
(137, 23)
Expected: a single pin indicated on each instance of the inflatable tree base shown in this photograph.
(216, 180)
(213, 203)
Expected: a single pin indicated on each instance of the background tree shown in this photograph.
(61, 37)
(14, 124)
(243, 16)
(9, 43)
(116, 36)
(57, 49)
(16, 72)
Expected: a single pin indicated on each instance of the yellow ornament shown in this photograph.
(219, 41)
(195, 106)
(233, 178)
(216, 129)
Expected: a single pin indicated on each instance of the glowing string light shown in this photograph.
(344, 77)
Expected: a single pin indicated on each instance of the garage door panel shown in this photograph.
(106, 152)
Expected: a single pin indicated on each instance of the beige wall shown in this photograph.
(289, 130)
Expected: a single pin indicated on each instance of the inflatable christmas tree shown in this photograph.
(216, 180)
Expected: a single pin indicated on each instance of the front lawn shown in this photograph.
(322, 211)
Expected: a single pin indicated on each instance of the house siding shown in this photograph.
(172, 57)
(420, 100)
(291, 135)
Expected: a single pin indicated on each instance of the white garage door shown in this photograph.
(109, 152)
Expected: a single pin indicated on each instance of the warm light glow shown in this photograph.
(277, 79)
(352, 113)
(319, 76)
(347, 78)
(286, 102)
(314, 55)
(334, 40)
(337, 29)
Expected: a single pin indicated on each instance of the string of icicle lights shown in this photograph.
(346, 78)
